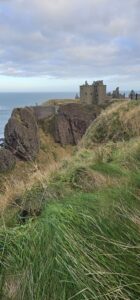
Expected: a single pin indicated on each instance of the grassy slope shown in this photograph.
(85, 243)
(118, 122)
(25, 174)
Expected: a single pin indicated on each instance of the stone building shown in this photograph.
(134, 96)
(93, 94)
(117, 95)
(137, 96)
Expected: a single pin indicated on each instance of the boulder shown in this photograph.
(72, 121)
(21, 134)
(7, 160)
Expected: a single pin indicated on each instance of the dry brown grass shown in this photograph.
(60, 101)
(90, 181)
(118, 122)
(14, 186)
(26, 174)
(131, 120)
(79, 172)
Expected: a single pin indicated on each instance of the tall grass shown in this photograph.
(85, 246)
(117, 123)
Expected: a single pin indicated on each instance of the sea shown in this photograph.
(9, 101)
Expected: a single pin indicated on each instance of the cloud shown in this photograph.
(64, 39)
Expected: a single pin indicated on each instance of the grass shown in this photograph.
(85, 243)
(26, 174)
(119, 122)
(84, 247)
(81, 237)
(108, 169)
(60, 101)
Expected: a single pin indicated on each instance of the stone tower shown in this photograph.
(93, 94)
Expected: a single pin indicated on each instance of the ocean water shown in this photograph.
(9, 101)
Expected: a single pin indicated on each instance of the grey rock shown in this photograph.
(72, 121)
(21, 134)
(7, 160)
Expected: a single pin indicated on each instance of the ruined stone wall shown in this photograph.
(87, 94)
(101, 90)
(138, 97)
(93, 94)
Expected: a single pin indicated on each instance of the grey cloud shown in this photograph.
(65, 39)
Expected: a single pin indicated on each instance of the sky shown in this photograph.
(55, 45)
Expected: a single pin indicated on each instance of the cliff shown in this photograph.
(70, 121)
(66, 123)
(21, 134)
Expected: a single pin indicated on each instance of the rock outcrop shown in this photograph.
(21, 134)
(72, 120)
(7, 160)
(67, 123)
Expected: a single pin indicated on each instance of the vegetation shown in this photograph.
(60, 101)
(79, 238)
(26, 174)
(117, 123)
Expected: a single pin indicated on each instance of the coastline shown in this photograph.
(11, 100)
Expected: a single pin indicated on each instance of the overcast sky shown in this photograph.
(55, 45)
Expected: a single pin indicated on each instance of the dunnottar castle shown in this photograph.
(93, 94)
(96, 93)
(65, 121)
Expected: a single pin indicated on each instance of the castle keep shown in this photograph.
(93, 94)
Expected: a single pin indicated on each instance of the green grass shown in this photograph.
(84, 245)
(108, 169)
(85, 242)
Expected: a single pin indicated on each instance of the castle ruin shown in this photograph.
(93, 94)
(134, 96)
(117, 95)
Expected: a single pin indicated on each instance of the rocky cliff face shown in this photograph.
(21, 134)
(66, 123)
(71, 122)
